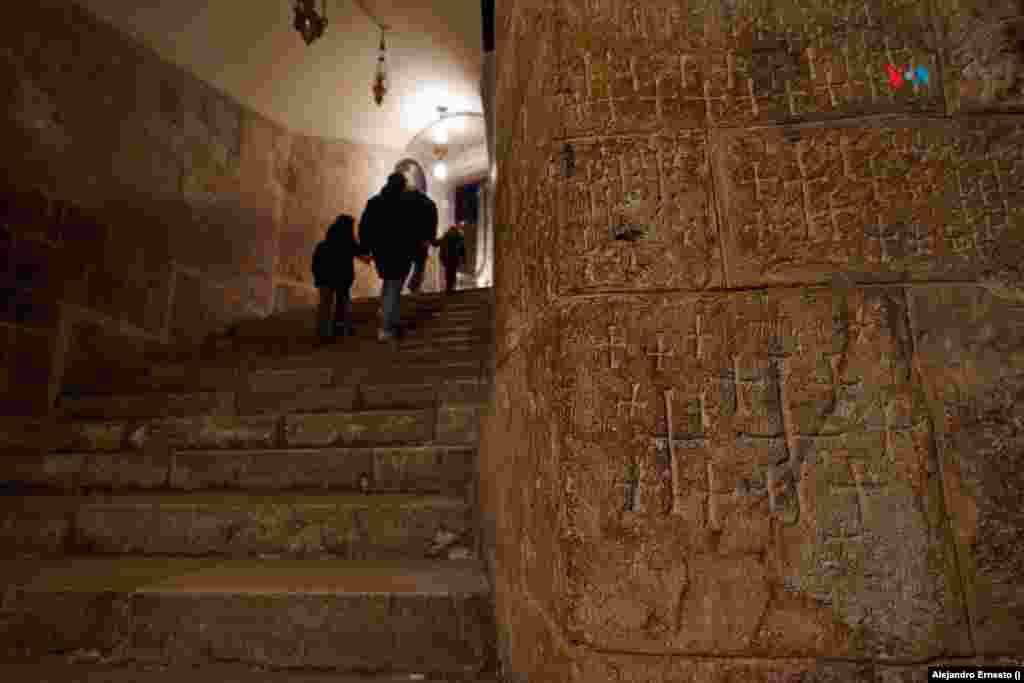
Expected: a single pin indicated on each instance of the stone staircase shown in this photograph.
(258, 509)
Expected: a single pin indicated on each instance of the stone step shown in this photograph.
(286, 324)
(153, 404)
(454, 423)
(288, 390)
(383, 364)
(227, 374)
(89, 666)
(412, 469)
(334, 616)
(237, 524)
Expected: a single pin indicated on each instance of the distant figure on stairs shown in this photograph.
(333, 274)
(387, 229)
(453, 255)
(426, 225)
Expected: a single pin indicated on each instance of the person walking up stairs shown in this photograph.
(256, 510)
(388, 229)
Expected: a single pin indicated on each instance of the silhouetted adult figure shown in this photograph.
(453, 255)
(386, 229)
(425, 227)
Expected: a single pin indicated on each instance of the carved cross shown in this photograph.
(612, 344)
(708, 101)
(632, 403)
(660, 352)
(670, 442)
(744, 388)
(791, 97)
(698, 336)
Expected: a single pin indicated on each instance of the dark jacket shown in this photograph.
(425, 221)
(332, 258)
(453, 248)
(386, 229)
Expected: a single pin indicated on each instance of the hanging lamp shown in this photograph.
(380, 80)
(310, 22)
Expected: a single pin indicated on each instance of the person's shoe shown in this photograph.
(385, 336)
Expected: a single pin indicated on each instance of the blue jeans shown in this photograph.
(390, 294)
(418, 268)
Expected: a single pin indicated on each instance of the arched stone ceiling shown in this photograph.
(249, 49)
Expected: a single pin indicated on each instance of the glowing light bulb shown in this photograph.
(441, 134)
(440, 171)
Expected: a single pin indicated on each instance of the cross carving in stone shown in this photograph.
(612, 344)
(698, 336)
(632, 403)
(660, 352)
(670, 442)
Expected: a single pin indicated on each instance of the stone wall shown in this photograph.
(760, 315)
(140, 203)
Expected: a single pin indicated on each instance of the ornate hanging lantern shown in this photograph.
(310, 22)
(380, 80)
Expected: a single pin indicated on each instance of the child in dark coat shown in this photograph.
(333, 274)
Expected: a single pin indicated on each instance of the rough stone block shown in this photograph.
(404, 620)
(284, 380)
(710, 65)
(983, 55)
(387, 395)
(90, 436)
(79, 603)
(124, 470)
(797, 435)
(463, 391)
(219, 431)
(638, 214)
(422, 469)
(43, 469)
(308, 400)
(368, 427)
(333, 468)
(458, 423)
(970, 351)
(893, 200)
(35, 524)
(153, 404)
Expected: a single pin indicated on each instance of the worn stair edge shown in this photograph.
(397, 469)
(341, 428)
(239, 524)
(346, 616)
(279, 390)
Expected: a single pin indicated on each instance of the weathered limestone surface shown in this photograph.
(148, 197)
(970, 346)
(758, 284)
(885, 200)
(773, 445)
